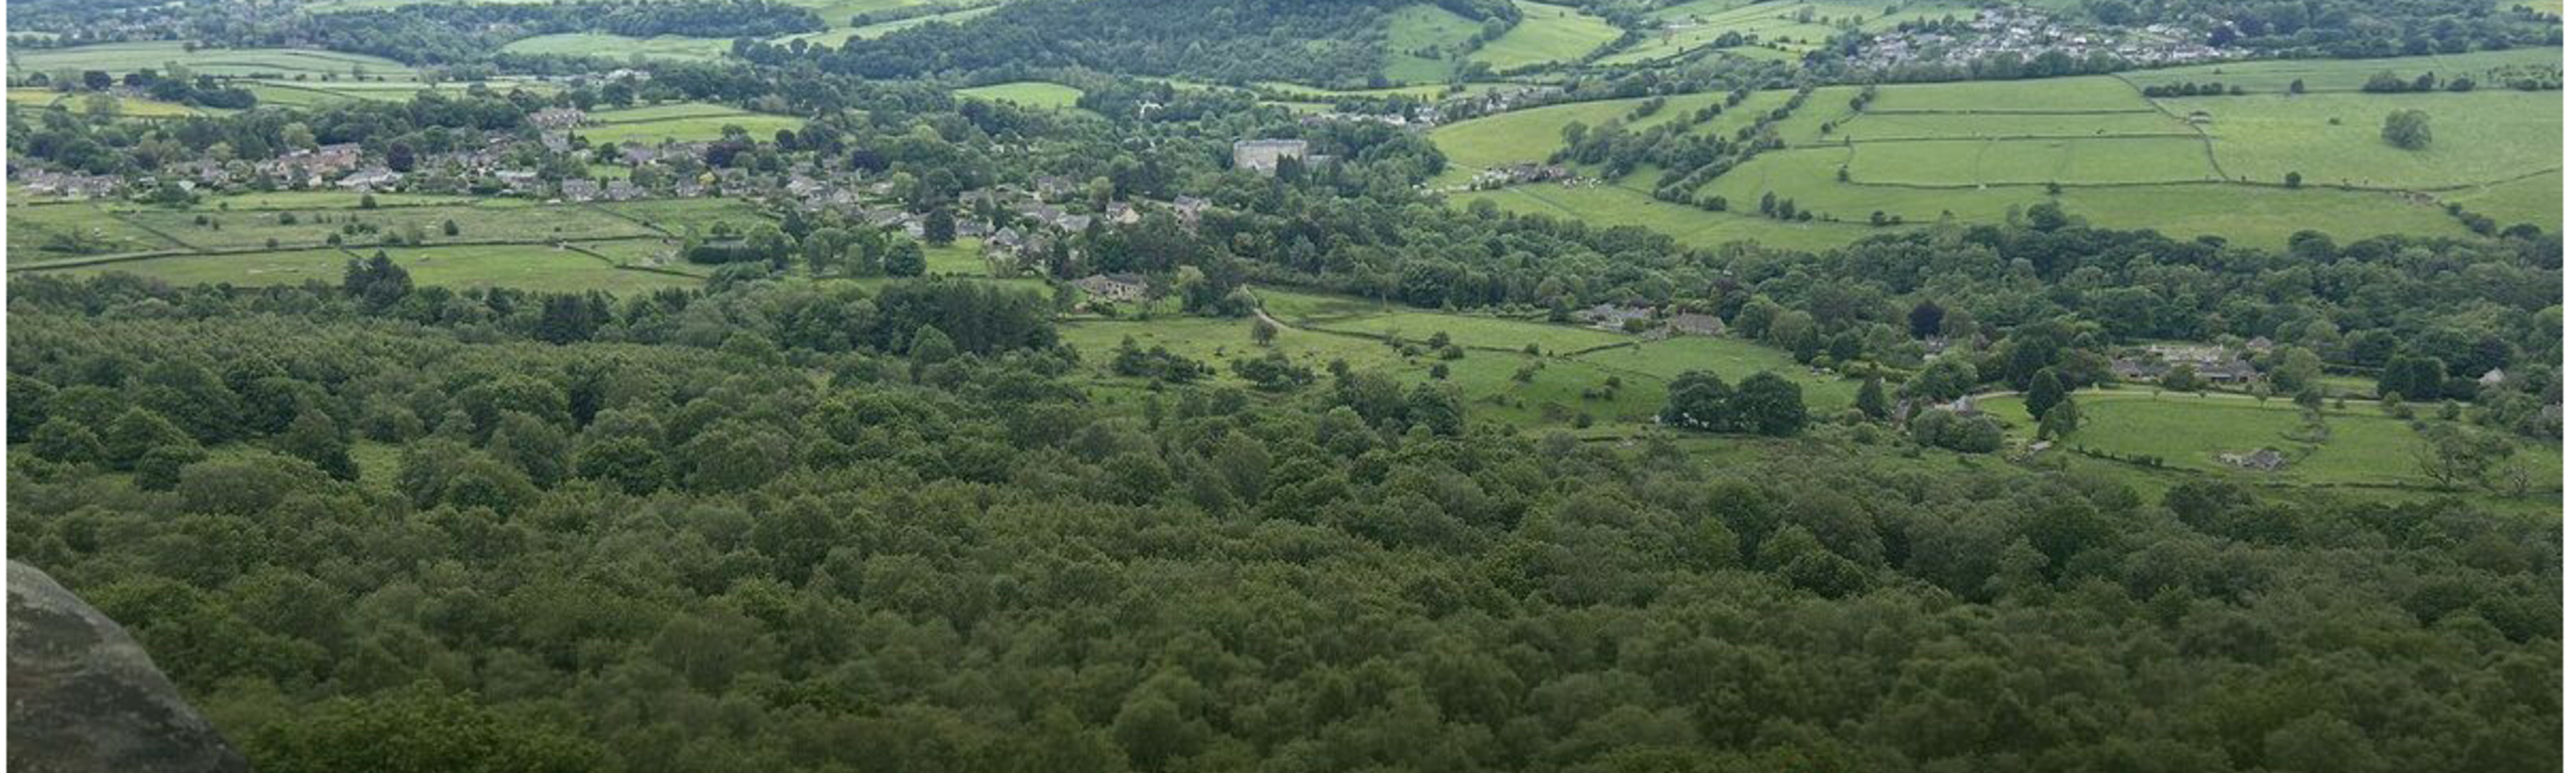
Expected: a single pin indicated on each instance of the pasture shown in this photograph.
(70, 230)
(2479, 137)
(682, 121)
(623, 48)
(2273, 76)
(1037, 94)
(673, 216)
(119, 58)
(1546, 34)
(2361, 446)
(1531, 135)
(233, 231)
(1975, 152)
(1422, 28)
(527, 267)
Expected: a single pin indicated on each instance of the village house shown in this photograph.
(622, 190)
(76, 186)
(1609, 317)
(1517, 174)
(1122, 213)
(371, 179)
(557, 118)
(1697, 324)
(580, 189)
(1264, 155)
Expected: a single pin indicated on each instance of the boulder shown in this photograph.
(85, 698)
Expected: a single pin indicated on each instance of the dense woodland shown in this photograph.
(713, 548)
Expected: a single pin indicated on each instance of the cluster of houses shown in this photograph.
(68, 185)
(1646, 319)
(2007, 29)
(1517, 174)
(2210, 362)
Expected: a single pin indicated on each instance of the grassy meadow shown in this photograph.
(527, 267)
(1546, 34)
(1038, 94)
(681, 121)
(1414, 30)
(2361, 446)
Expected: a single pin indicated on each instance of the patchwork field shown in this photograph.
(1038, 94)
(1531, 135)
(2335, 75)
(120, 58)
(1977, 151)
(221, 231)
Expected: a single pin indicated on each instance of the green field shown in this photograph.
(1546, 34)
(35, 231)
(246, 62)
(512, 222)
(623, 48)
(682, 121)
(675, 215)
(1530, 135)
(1038, 94)
(2362, 446)
(130, 107)
(1976, 151)
(527, 267)
(1421, 41)
(1610, 205)
(2333, 139)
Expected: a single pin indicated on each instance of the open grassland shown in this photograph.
(1479, 332)
(245, 62)
(527, 267)
(1975, 152)
(1730, 358)
(47, 232)
(623, 48)
(2273, 76)
(2536, 199)
(1037, 94)
(684, 121)
(1970, 163)
(1531, 135)
(963, 257)
(1546, 34)
(674, 216)
(1495, 374)
(1422, 28)
(223, 230)
(2333, 139)
(2097, 93)
(316, 93)
(1607, 205)
(2361, 445)
(118, 105)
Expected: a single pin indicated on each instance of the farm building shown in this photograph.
(1115, 288)
(1696, 324)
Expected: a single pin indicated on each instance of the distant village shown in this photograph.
(2028, 33)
